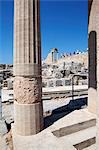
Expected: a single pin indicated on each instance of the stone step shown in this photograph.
(82, 139)
(74, 128)
(85, 144)
(73, 123)
(92, 147)
(45, 140)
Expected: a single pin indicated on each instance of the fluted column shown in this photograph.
(27, 67)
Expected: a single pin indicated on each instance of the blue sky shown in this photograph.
(63, 26)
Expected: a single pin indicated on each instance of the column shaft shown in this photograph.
(27, 67)
(94, 44)
(92, 89)
(97, 53)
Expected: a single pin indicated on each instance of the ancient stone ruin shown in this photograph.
(68, 126)
(27, 68)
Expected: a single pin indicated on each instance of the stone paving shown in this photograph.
(48, 106)
(46, 140)
(56, 119)
(92, 147)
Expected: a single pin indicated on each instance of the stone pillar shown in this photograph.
(57, 56)
(52, 57)
(94, 42)
(96, 3)
(92, 89)
(28, 110)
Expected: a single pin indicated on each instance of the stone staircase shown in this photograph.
(75, 131)
(80, 132)
(81, 139)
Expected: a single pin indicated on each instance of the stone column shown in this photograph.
(92, 89)
(96, 3)
(57, 56)
(52, 57)
(94, 42)
(28, 111)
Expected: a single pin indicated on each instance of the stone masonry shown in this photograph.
(28, 111)
(30, 90)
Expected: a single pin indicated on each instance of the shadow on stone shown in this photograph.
(92, 56)
(65, 110)
(8, 125)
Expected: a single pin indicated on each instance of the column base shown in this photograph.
(28, 118)
(92, 96)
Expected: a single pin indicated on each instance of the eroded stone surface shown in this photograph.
(27, 90)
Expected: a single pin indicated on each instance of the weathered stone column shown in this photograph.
(96, 5)
(28, 111)
(94, 32)
(92, 89)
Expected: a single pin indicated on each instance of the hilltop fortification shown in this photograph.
(77, 57)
